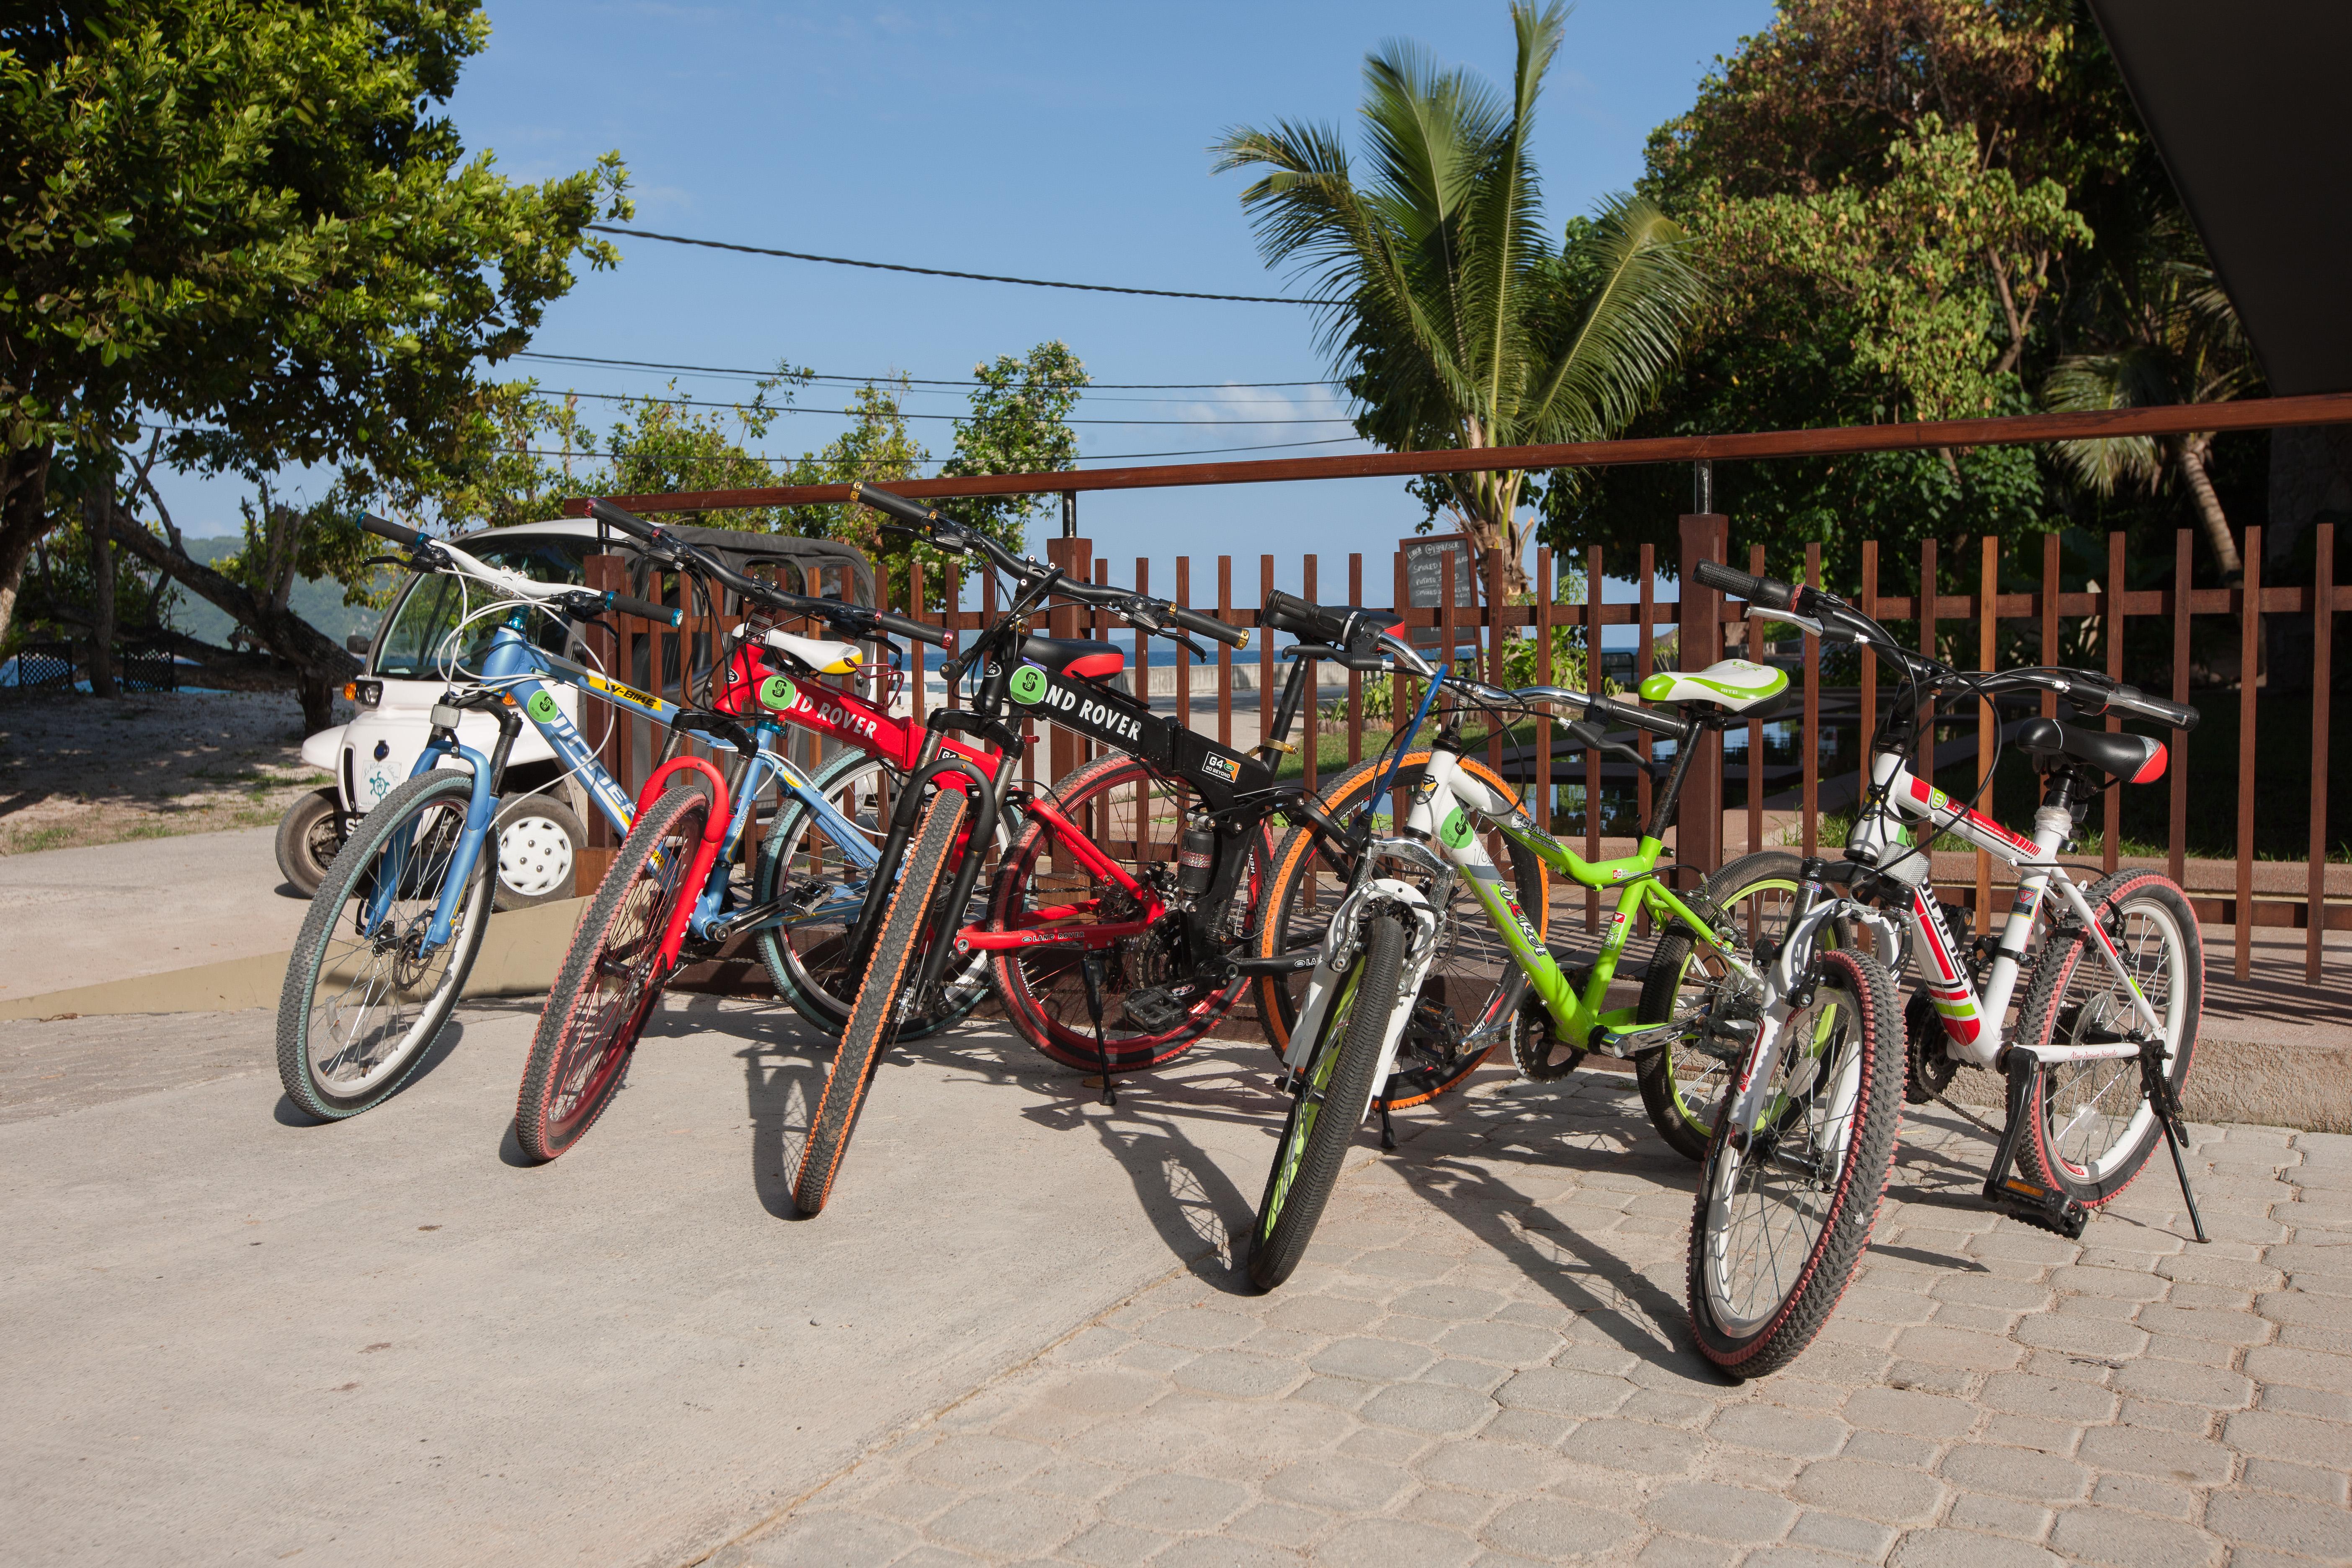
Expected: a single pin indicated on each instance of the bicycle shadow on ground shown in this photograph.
(1461, 1160)
(285, 1113)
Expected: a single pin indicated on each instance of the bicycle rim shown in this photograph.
(378, 997)
(2097, 1122)
(1769, 1207)
(1687, 1084)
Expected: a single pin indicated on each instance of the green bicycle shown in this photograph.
(1816, 1091)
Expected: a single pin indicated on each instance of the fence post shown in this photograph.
(1184, 659)
(1225, 653)
(1265, 652)
(2113, 816)
(1495, 651)
(1988, 713)
(1811, 740)
(1355, 679)
(1755, 729)
(1541, 804)
(1699, 821)
(1075, 556)
(2323, 637)
(1645, 654)
(1868, 696)
(2176, 786)
(2250, 647)
(1594, 682)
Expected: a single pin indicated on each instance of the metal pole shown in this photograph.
(1069, 514)
(1703, 484)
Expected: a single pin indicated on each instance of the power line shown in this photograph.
(916, 380)
(788, 408)
(943, 272)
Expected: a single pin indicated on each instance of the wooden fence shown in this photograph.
(664, 660)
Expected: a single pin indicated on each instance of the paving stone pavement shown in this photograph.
(1483, 1360)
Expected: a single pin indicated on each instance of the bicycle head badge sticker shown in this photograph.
(541, 708)
(777, 692)
(1454, 829)
(1028, 684)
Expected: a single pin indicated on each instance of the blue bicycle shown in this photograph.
(400, 916)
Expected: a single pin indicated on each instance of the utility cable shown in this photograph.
(943, 272)
(789, 408)
(915, 380)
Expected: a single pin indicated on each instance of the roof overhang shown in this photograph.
(2246, 102)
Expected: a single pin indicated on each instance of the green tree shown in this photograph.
(1456, 323)
(244, 216)
(1892, 192)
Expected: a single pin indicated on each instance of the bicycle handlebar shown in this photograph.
(644, 608)
(2088, 692)
(407, 538)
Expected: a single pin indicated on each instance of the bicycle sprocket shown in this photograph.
(1927, 1067)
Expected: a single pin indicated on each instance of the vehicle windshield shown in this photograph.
(410, 648)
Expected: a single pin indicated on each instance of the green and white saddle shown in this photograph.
(1736, 683)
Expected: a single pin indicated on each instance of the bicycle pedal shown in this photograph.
(1156, 1011)
(2045, 1208)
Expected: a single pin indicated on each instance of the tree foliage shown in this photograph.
(1455, 322)
(246, 217)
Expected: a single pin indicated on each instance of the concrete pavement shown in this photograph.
(1017, 1335)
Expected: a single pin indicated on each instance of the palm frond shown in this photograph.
(1631, 333)
(2084, 383)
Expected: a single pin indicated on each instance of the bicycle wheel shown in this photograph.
(2093, 1126)
(1455, 1020)
(610, 976)
(362, 1004)
(1680, 1084)
(1331, 1105)
(910, 923)
(1782, 1222)
(801, 858)
(1151, 1008)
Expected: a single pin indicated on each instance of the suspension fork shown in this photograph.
(1786, 983)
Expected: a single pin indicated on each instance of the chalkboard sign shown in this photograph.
(1424, 577)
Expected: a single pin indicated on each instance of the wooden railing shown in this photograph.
(1705, 626)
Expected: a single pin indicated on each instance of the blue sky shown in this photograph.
(1043, 139)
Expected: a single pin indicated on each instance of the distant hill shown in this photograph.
(317, 601)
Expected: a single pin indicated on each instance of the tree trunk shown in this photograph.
(97, 508)
(320, 663)
(2209, 508)
(23, 518)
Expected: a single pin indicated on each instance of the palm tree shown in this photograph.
(2174, 337)
(1455, 322)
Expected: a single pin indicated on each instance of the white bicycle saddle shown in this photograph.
(1736, 683)
(825, 658)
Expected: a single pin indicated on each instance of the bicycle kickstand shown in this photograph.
(2167, 1106)
(1090, 968)
(1388, 1133)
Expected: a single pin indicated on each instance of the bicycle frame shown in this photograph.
(521, 674)
(1972, 1022)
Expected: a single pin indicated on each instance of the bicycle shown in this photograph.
(397, 923)
(2106, 1028)
(1818, 1085)
(1094, 916)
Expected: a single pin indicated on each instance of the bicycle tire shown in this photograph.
(385, 1056)
(804, 965)
(2054, 1012)
(1331, 1106)
(897, 951)
(1043, 990)
(1474, 970)
(1680, 1087)
(589, 1028)
(1778, 1329)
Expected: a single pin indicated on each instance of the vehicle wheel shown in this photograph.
(1780, 1224)
(364, 999)
(1333, 1099)
(2093, 1126)
(910, 923)
(307, 837)
(610, 976)
(805, 958)
(1680, 1084)
(1464, 986)
(538, 838)
(1138, 820)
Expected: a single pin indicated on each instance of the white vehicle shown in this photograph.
(540, 824)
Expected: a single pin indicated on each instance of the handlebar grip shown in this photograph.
(1209, 626)
(2180, 715)
(645, 609)
(1305, 619)
(914, 630)
(628, 522)
(1766, 591)
(896, 505)
(407, 538)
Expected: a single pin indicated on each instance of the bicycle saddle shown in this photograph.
(825, 658)
(1735, 683)
(2134, 759)
(1081, 656)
